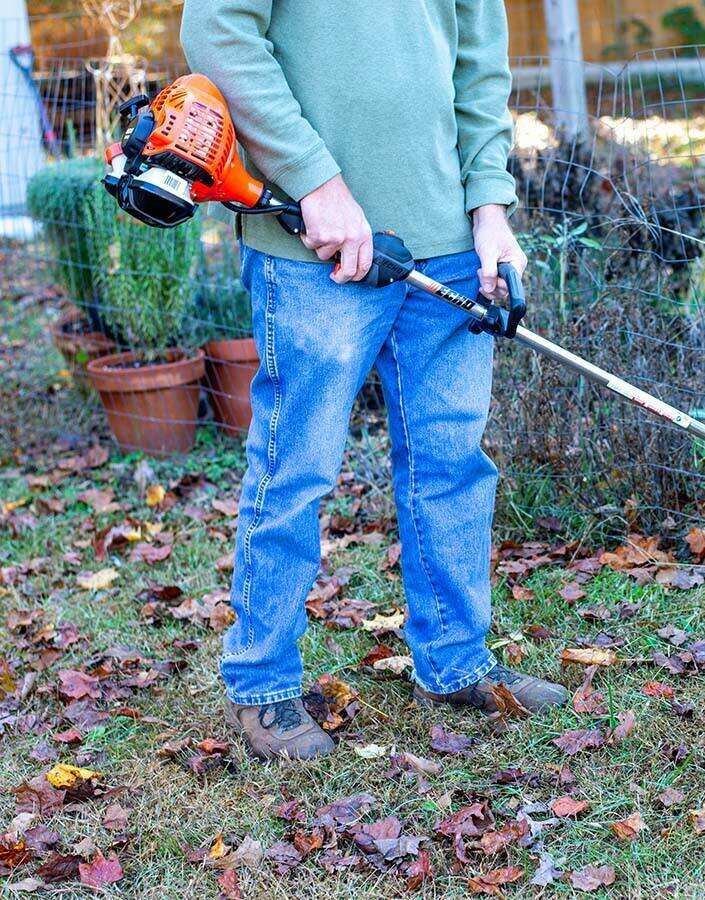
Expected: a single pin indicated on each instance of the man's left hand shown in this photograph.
(495, 243)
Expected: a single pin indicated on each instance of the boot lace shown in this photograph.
(503, 674)
(285, 715)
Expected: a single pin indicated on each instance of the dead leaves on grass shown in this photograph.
(339, 838)
(592, 878)
(331, 702)
(494, 880)
(640, 558)
(588, 656)
(568, 807)
(444, 741)
(43, 796)
(629, 829)
(100, 871)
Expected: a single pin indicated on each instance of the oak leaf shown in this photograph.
(567, 806)
(588, 656)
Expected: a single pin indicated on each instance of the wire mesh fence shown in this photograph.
(612, 222)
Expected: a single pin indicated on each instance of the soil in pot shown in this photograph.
(77, 341)
(150, 407)
(230, 367)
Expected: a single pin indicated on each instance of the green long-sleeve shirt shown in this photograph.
(407, 98)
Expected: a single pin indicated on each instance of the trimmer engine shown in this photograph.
(180, 150)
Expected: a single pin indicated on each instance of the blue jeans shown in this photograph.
(317, 341)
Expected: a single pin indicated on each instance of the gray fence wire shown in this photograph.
(613, 226)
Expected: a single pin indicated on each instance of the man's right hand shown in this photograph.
(336, 223)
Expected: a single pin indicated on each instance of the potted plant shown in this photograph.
(56, 197)
(146, 281)
(225, 319)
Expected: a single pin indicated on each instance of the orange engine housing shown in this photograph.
(193, 123)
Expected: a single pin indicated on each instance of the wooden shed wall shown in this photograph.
(600, 20)
(156, 33)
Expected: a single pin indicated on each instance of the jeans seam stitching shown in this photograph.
(412, 498)
(468, 678)
(268, 697)
(271, 368)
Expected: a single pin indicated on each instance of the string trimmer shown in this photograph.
(180, 150)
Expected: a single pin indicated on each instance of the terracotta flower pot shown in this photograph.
(76, 341)
(230, 367)
(150, 407)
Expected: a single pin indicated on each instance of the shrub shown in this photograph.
(145, 276)
(56, 197)
(565, 443)
(224, 309)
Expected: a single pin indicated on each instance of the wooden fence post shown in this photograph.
(567, 67)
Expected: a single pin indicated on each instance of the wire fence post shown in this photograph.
(567, 67)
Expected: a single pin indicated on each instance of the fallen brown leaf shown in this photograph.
(115, 817)
(575, 740)
(227, 506)
(99, 501)
(443, 741)
(508, 707)
(96, 581)
(59, 867)
(696, 541)
(418, 871)
(77, 685)
(493, 842)
(657, 689)
(670, 797)
(567, 806)
(100, 871)
(625, 729)
(586, 699)
(493, 881)
(588, 656)
(572, 592)
(590, 878)
(150, 553)
(628, 829)
(229, 885)
(697, 820)
(38, 796)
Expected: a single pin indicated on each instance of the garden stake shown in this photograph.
(180, 150)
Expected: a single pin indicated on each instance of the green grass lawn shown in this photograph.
(177, 803)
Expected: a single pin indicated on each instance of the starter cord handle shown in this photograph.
(517, 297)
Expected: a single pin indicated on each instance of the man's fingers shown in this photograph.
(518, 260)
(327, 251)
(488, 277)
(347, 267)
(364, 258)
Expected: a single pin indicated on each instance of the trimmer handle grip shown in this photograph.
(391, 260)
(517, 297)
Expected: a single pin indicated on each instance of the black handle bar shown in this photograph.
(392, 262)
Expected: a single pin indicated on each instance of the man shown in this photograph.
(373, 115)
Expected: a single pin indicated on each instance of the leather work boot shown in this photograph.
(534, 694)
(279, 729)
